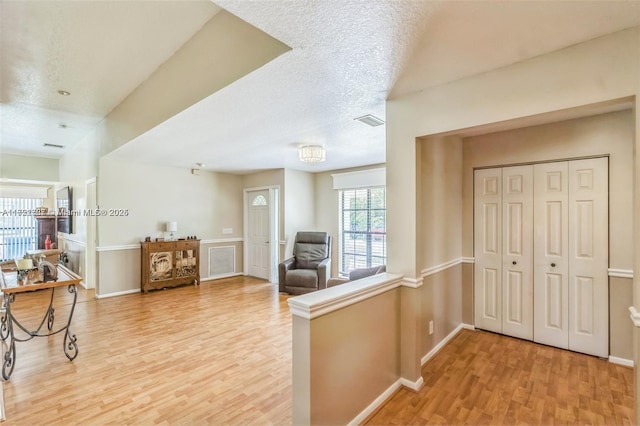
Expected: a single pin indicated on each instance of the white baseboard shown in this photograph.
(217, 277)
(376, 403)
(118, 293)
(621, 361)
(416, 386)
(444, 341)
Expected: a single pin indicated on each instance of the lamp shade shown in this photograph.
(172, 226)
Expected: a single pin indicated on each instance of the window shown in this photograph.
(18, 231)
(363, 228)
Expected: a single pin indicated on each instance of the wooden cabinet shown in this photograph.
(46, 226)
(169, 264)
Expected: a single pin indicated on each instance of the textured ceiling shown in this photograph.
(97, 50)
(347, 57)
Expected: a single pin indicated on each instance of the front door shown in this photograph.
(259, 234)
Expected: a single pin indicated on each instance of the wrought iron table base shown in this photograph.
(8, 321)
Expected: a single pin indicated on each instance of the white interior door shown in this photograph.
(541, 253)
(589, 256)
(551, 266)
(517, 246)
(259, 232)
(488, 249)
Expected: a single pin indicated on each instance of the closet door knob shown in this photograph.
(553, 265)
(514, 262)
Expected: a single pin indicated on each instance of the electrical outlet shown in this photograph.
(431, 327)
(227, 231)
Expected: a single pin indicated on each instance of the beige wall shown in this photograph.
(441, 296)
(353, 358)
(202, 205)
(440, 201)
(299, 206)
(28, 168)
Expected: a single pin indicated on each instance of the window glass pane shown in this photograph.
(362, 228)
(18, 231)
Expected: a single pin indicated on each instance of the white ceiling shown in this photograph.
(347, 57)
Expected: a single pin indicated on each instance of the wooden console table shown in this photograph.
(169, 264)
(11, 287)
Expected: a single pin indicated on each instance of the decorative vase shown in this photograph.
(47, 242)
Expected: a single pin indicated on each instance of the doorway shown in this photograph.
(261, 233)
(541, 253)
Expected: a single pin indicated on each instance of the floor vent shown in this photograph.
(222, 261)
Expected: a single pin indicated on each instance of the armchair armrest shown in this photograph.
(283, 267)
(324, 271)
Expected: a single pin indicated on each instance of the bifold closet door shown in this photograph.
(517, 251)
(504, 250)
(551, 266)
(589, 256)
(488, 249)
(571, 255)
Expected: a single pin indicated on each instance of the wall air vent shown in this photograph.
(53, 145)
(370, 120)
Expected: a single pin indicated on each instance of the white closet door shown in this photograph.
(551, 268)
(517, 246)
(588, 256)
(488, 249)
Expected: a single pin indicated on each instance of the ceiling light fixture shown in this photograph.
(312, 154)
(64, 92)
(200, 164)
(370, 120)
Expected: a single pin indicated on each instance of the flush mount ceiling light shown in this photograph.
(63, 93)
(370, 120)
(312, 154)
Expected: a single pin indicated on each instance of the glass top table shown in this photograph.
(11, 285)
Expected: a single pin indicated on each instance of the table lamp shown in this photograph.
(172, 227)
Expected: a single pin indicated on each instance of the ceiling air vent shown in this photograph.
(52, 145)
(370, 120)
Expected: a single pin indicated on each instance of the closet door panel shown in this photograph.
(551, 292)
(589, 256)
(488, 249)
(517, 258)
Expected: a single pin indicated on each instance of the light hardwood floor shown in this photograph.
(220, 353)
(485, 378)
(217, 353)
